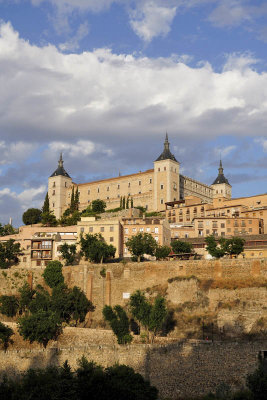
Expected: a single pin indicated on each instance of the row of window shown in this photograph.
(102, 229)
(134, 230)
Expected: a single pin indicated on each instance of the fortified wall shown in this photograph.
(178, 370)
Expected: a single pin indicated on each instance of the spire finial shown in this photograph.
(60, 161)
(166, 143)
(220, 167)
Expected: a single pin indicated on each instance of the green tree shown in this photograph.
(95, 249)
(72, 201)
(98, 206)
(68, 252)
(150, 316)
(7, 230)
(120, 202)
(41, 300)
(234, 246)
(140, 244)
(26, 297)
(76, 199)
(162, 252)
(9, 252)
(80, 305)
(127, 202)
(68, 219)
(40, 327)
(119, 322)
(49, 219)
(123, 203)
(132, 203)
(9, 305)
(215, 249)
(53, 274)
(32, 216)
(179, 247)
(5, 335)
(46, 206)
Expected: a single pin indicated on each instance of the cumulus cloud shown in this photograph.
(263, 143)
(151, 20)
(18, 151)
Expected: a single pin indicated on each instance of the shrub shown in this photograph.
(5, 335)
(9, 305)
(53, 274)
(119, 323)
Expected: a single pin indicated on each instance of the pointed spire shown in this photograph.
(60, 161)
(220, 169)
(220, 178)
(166, 143)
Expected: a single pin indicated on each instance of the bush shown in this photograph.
(5, 335)
(9, 305)
(179, 247)
(140, 244)
(119, 323)
(95, 249)
(9, 252)
(162, 252)
(53, 274)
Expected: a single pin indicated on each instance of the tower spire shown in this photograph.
(166, 143)
(220, 169)
(60, 161)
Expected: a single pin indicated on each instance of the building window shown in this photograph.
(97, 190)
(164, 168)
(65, 184)
(54, 184)
(24, 259)
(150, 180)
(141, 230)
(134, 229)
(102, 229)
(161, 201)
(140, 183)
(53, 205)
(38, 263)
(107, 198)
(207, 231)
(156, 238)
(158, 169)
(111, 228)
(54, 192)
(139, 192)
(108, 189)
(111, 239)
(118, 186)
(222, 225)
(82, 230)
(156, 229)
(91, 229)
(129, 184)
(126, 230)
(88, 201)
(88, 192)
(148, 229)
(161, 186)
(250, 229)
(228, 229)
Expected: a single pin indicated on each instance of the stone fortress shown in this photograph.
(150, 189)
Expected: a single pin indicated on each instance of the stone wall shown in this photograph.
(178, 370)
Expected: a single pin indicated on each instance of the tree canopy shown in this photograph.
(162, 252)
(222, 247)
(49, 219)
(150, 315)
(119, 322)
(46, 206)
(68, 253)
(9, 252)
(5, 335)
(53, 274)
(179, 247)
(98, 206)
(7, 230)
(140, 244)
(95, 249)
(32, 216)
(9, 305)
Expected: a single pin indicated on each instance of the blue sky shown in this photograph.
(103, 80)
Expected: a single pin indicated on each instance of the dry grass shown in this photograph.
(232, 284)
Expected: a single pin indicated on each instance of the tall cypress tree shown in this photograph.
(72, 201)
(127, 203)
(76, 199)
(131, 202)
(46, 204)
(120, 202)
(123, 202)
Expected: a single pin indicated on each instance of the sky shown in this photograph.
(103, 80)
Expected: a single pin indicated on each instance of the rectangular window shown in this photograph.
(126, 230)
(54, 184)
(148, 229)
(156, 238)
(207, 231)
(108, 189)
(164, 168)
(134, 229)
(24, 259)
(140, 183)
(228, 229)
(54, 192)
(250, 222)
(97, 190)
(129, 184)
(161, 201)
(82, 230)
(141, 230)
(107, 198)
(111, 228)
(88, 191)
(102, 229)
(156, 229)
(158, 169)
(111, 239)
(222, 225)
(150, 180)
(222, 233)
(91, 229)
(161, 186)
(250, 229)
(65, 184)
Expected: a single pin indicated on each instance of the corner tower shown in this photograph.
(221, 186)
(58, 184)
(166, 177)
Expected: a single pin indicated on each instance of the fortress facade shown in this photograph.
(150, 189)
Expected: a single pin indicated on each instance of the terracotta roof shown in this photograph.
(116, 178)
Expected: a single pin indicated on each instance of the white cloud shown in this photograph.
(221, 152)
(230, 13)
(263, 143)
(151, 20)
(100, 96)
(74, 43)
(16, 151)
